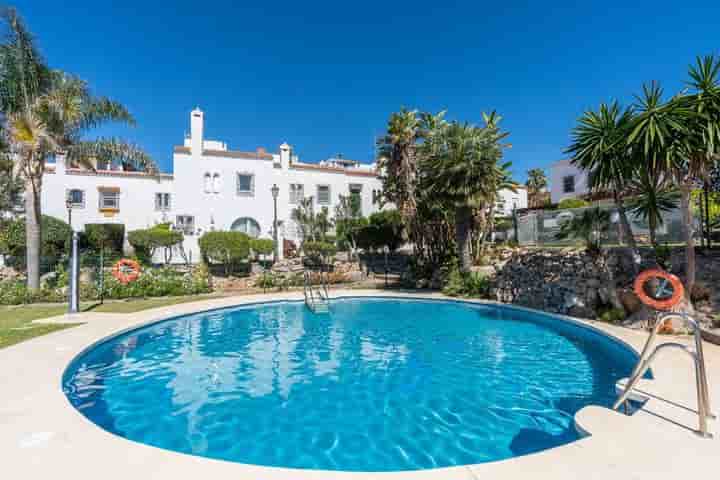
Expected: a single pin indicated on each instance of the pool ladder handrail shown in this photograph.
(317, 301)
(648, 355)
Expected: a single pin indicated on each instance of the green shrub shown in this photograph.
(319, 252)
(55, 240)
(262, 246)
(147, 241)
(155, 282)
(472, 284)
(17, 293)
(108, 236)
(572, 203)
(613, 315)
(226, 248)
(384, 229)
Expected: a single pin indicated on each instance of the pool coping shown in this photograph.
(42, 434)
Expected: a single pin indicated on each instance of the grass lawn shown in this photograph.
(16, 321)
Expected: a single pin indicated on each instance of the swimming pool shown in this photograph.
(376, 385)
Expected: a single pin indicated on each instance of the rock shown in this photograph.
(630, 302)
(48, 278)
(700, 293)
(355, 276)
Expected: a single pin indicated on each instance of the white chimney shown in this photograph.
(196, 132)
(285, 153)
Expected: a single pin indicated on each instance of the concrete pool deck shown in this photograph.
(42, 436)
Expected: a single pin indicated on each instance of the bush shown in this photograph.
(155, 282)
(105, 235)
(613, 315)
(262, 246)
(384, 229)
(663, 256)
(17, 293)
(572, 203)
(472, 284)
(147, 241)
(55, 240)
(226, 248)
(319, 252)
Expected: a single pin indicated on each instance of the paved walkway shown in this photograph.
(42, 436)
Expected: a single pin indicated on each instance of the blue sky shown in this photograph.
(324, 76)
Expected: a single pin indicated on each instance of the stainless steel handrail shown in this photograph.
(648, 355)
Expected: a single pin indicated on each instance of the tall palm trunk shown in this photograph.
(625, 232)
(463, 223)
(652, 227)
(33, 230)
(687, 217)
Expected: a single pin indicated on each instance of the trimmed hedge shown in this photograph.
(226, 248)
(262, 246)
(110, 236)
(572, 203)
(147, 241)
(55, 240)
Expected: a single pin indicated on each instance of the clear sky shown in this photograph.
(325, 75)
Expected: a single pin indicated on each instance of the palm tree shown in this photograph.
(536, 183)
(681, 138)
(588, 226)
(598, 146)
(463, 162)
(398, 161)
(47, 112)
(653, 196)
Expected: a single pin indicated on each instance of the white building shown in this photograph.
(212, 188)
(508, 201)
(567, 181)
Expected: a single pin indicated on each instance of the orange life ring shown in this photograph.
(126, 270)
(678, 291)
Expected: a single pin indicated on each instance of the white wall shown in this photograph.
(211, 210)
(560, 170)
(509, 200)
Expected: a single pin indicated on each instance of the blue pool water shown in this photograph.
(377, 385)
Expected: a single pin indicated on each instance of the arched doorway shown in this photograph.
(246, 225)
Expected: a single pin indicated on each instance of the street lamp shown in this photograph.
(68, 205)
(275, 191)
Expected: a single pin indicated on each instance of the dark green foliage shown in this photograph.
(384, 229)
(613, 315)
(147, 241)
(319, 252)
(55, 241)
(17, 293)
(226, 248)
(156, 282)
(108, 236)
(466, 284)
(262, 246)
(590, 226)
(570, 203)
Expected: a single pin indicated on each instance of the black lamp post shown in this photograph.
(68, 205)
(275, 191)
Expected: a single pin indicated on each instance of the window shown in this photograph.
(162, 202)
(109, 199)
(245, 184)
(376, 197)
(323, 194)
(216, 183)
(297, 193)
(185, 224)
(76, 198)
(569, 184)
(247, 226)
(207, 181)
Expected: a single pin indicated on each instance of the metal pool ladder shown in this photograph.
(648, 355)
(316, 297)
